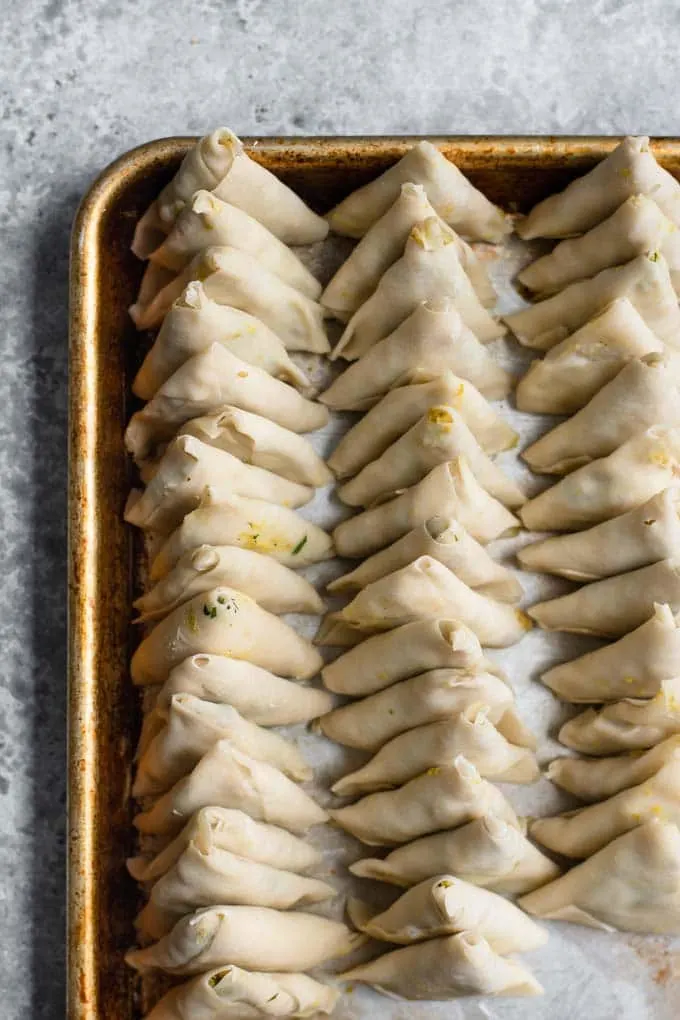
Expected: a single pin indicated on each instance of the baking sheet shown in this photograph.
(584, 972)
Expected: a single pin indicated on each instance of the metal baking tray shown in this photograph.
(104, 352)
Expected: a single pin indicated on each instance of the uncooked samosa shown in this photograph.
(206, 874)
(645, 281)
(233, 830)
(486, 852)
(219, 163)
(207, 221)
(187, 468)
(630, 169)
(634, 666)
(427, 588)
(450, 489)
(258, 938)
(383, 244)
(229, 991)
(223, 622)
(432, 340)
(442, 798)
(429, 268)
(192, 727)
(225, 777)
(446, 905)
(416, 647)
(258, 440)
(613, 485)
(256, 693)
(410, 754)
(455, 199)
(594, 779)
(571, 373)
(628, 725)
(403, 406)
(446, 540)
(637, 226)
(440, 435)
(257, 524)
(439, 694)
(649, 533)
(646, 392)
(446, 968)
(276, 588)
(586, 830)
(614, 606)
(194, 323)
(633, 884)
(206, 383)
(231, 277)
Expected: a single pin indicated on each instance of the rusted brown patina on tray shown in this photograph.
(105, 350)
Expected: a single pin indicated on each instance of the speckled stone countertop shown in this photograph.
(84, 80)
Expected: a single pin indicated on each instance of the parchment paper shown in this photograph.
(585, 973)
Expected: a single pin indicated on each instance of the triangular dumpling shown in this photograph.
(402, 407)
(427, 588)
(432, 340)
(258, 524)
(586, 830)
(440, 435)
(276, 588)
(442, 798)
(446, 540)
(194, 323)
(252, 937)
(455, 199)
(628, 725)
(446, 905)
(430, 268)
(486, 852)
(574, 370)
(633, 884)
(233, 990)
(383, 244)
(450, 488)
(644, 535)
(256, 693)
(256, 439)
(207, 221)
(593, 779)
(413, 752)
(226, 777)
(637, 226)
(630, 169)
(371, 722)
(190, 729)
(446, 968)
(645, 281)
(645, 392)
(223, 622)
(614, 606)
(232, 277)
(219, 163)
(634, 666)
(187, 468)
(383, 659)
(209, 381)
(627, 478)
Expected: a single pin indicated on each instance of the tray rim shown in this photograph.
(82, 767)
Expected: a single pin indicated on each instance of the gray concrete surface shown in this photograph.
(83, 80)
